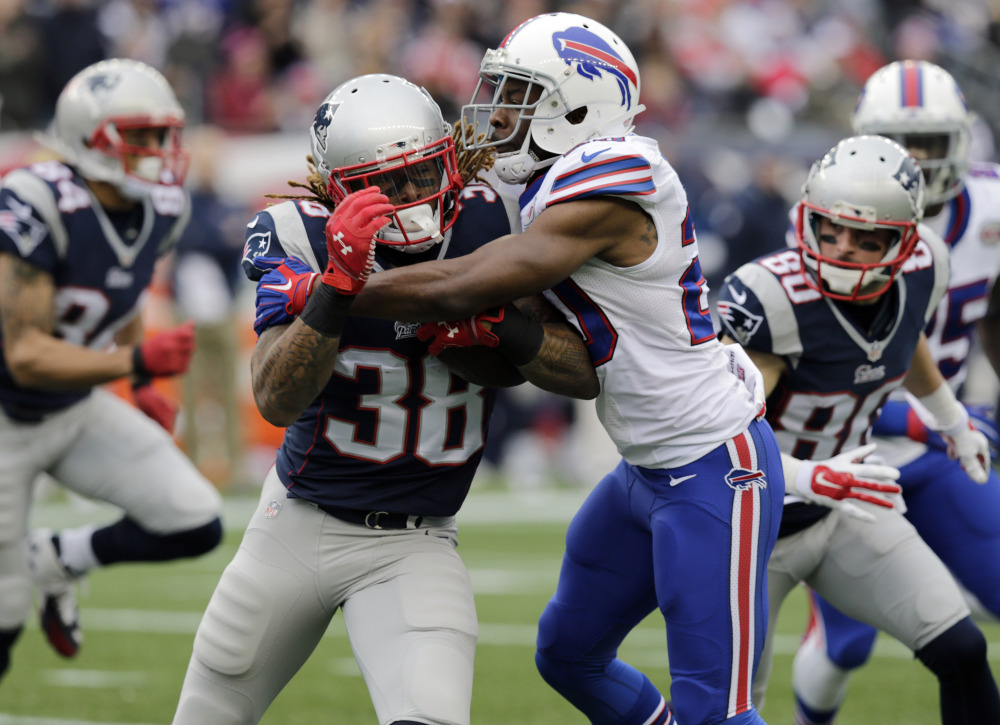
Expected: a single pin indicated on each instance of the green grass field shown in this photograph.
(139, 621)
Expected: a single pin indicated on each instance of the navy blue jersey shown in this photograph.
(393, 430)
(843, 360)
(101, 262)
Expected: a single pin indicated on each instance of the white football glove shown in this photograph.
(970, 447)
(743, 368)
(835, 481)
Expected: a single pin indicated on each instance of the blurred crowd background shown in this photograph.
(742, 94)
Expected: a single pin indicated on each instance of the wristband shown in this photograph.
(950, 417)
(138, 366)
(326, 310)
(519, 337)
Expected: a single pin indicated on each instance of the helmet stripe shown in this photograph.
(912, 85)
(616, 63)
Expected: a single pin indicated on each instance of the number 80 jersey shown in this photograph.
(839, 373)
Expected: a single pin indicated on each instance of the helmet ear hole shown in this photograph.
(577, 115)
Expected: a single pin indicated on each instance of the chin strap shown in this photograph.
(516, 167)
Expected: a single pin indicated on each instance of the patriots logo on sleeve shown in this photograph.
(21, 226)
(257, 245)
(739, 321)
(591, 56)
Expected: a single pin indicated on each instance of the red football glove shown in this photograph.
(463, 333)
(165, 353)
(156, 405)
(834, 481)
(350, 238)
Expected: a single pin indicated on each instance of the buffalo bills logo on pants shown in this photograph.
(591, 56)
(743, 479)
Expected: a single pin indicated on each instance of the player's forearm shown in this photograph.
(289, 368)
(562, 365)
(38, 360)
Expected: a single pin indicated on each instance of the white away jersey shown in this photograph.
(970, 226)
(666, 397)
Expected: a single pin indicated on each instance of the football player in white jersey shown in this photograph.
(357, 515)
(920, 105)
(687, 520)
(835, 326)
(79, 239)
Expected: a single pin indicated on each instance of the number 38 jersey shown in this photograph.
(393, 430)
(100, 261)
(841, 365)
(666, 398)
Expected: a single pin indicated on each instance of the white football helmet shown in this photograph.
(102, 101)
(865, 182)
(917, 103)
(381, 130)
(578, 63)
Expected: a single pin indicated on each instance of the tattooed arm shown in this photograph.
(290, 366)
(562, 364)
(35, 357)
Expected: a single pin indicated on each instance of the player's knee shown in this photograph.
(15, 601)
(956, 652)
(200, 540)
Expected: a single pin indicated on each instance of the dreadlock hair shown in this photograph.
(471, 164)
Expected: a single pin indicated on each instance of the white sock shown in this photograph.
(75, 550)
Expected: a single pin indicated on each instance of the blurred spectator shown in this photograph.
(135, 29)
(72, 40)
(442, 59)
(22, 105)
(206, 279)
(240, 95)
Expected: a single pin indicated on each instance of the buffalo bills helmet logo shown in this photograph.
(592, 56)
(321, 124)
(743, 479)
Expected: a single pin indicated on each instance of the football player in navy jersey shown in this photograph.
(835, 326)
(687, 519)
(78, 242)
(920, 105)
(382, 440)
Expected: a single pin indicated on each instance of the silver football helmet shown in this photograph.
(578, 64)
(381, 130)
(917, 103)
(103, 101)
(865, 182)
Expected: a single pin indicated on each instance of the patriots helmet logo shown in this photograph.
(742, 479)
(321, 124)
(908, 173)
(102, 84)
(592, 57)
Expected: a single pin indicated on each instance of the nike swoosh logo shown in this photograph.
(738, 297)
(587, 158)
(253, 223)
(279, 287)
(680, 479)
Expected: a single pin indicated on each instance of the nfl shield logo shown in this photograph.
(271, 510)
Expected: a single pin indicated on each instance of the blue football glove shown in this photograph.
(283, 291)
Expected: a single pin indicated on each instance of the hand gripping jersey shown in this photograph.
(393, 430)
(666, 396)
(839, 373)
(101, 261)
